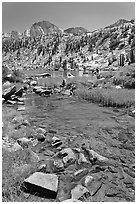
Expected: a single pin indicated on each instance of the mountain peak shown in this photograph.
(76, 30)
(43, 27)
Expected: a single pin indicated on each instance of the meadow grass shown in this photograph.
(108, 97)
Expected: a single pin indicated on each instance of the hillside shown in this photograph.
(76, 30)
(49, 50)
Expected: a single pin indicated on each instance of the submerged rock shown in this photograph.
(79, 191)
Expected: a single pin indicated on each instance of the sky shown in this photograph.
(20, 16)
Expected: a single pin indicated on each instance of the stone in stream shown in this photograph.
(88, 180)
(20, 102)
(25, 123)
(55, 139)
(71, 200)
(80, 174)
(40, 137)
(94, 186)
(113, 192)
(21, 108)
(82, 159)
(47, 166)
(56, 144)
(79, 191)
(58, 164)
(94, 157)
(24, 142)
(68, 155)
(19, 92)
(52, 131)
(41, 184)
(9, 92)
(129, 172)
(11, 102)
(41, 130)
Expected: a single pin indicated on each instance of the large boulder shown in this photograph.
(41, 184)
(9, 92)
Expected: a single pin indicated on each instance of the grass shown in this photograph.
(108, 97)
(17, 165)
(15, 168)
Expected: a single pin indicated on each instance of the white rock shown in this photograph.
(98, 156)
(21, 108)
(55, 139)
(79, 191)
(46, 181)
(71, 200)
(70, 155)
(41, 130)
(88, 180)
(82, 159)
(24, 142)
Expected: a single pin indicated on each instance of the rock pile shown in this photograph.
(74, 174)
(13, 96)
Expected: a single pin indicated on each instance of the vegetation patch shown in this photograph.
(108, 97)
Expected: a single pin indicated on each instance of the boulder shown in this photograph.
(68, 155)
(21, 108)
(82, 159)
(6, 84)
(11, 102)
(3, 100)
(33, 83)
(94, 157)
(52, 131)
(9, 92)
(19, 92)
(58, 164)
(71, 200)
(66, 92)
(47, 165)
(41, 130)
(88, 180)
(55, 139)
(40, 137)
(25, 123)
(56, 144)
(80, 174)
(24, 142)
(79, 191)
(41, 184)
